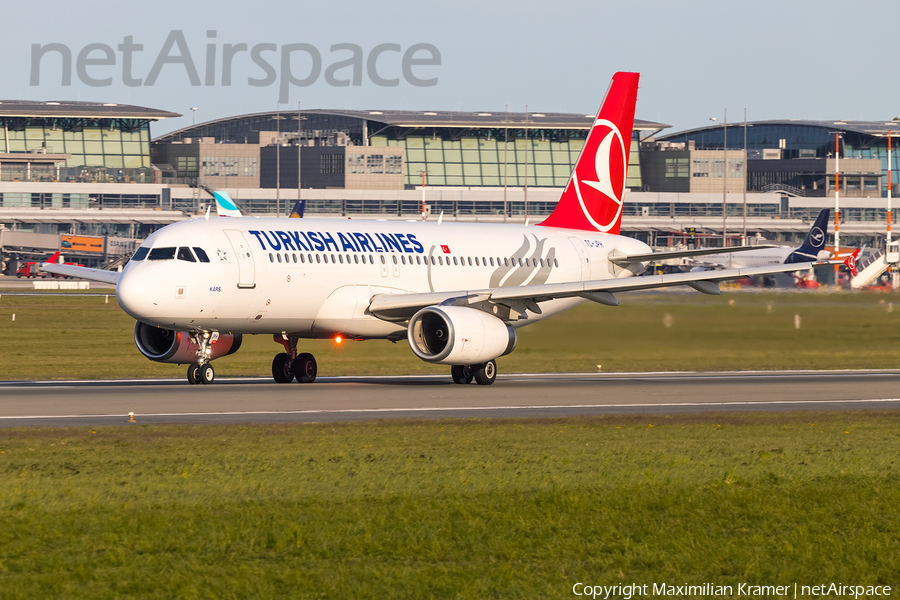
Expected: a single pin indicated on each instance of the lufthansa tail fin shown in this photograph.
(225, 206)
(814, 242)
(592, 200)
(297, 213)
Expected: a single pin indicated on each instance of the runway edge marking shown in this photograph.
(457, 409)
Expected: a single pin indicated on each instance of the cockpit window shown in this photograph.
(162, 254)
(185, 254)
(141, 253)
(201, 254)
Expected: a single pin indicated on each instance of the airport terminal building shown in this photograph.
(451, 149)
(90, 169)
(797, 156)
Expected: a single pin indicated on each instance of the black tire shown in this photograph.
(305, 368)
(462, 374)
(206, 373)
(193, 374)
(282, 368)
(486, 374)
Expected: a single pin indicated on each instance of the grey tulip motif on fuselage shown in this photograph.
(512, 274)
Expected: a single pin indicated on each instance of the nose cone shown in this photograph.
(138, 293)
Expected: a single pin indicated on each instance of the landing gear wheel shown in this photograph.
(486, 374)
(305, 368)
(462, 373)
(282, 368)
(193, 374)
(206, 373)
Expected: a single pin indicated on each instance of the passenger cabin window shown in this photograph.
(201, 254)
(141, 253)
(162, 254)
(184, 253)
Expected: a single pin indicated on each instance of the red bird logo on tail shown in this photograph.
(592, 200)
(850, 261)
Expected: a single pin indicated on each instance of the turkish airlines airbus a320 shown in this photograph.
(457, 292)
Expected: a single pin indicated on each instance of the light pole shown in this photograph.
(277, 159)
(194, 110)
(300, 119)
(837, 204)
(724, 177)
(423, 172)
(745, 173)
(888, 239)
(527, 143)
(505, 162)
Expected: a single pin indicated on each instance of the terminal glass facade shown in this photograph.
(449, 156)
(542, 158)
(802, 141)
(101, 149)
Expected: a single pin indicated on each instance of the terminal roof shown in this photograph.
(495, 119)
(874, 128)
(68, 109)
(413, 119)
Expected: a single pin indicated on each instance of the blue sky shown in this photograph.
(777, 59)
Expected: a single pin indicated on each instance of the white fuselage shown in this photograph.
(314, 278)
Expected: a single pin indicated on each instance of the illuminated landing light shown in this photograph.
(338, 339)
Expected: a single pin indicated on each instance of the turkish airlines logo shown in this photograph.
(851, 262)
(816, 236)
(600, 189)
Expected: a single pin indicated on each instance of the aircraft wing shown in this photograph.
(399, 307)
(83, 272)
(624, 259)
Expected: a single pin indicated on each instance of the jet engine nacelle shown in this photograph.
(168, 346)
(456, 335)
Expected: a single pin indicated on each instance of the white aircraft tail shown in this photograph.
(225, 206)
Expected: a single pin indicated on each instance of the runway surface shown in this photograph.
(258, 400)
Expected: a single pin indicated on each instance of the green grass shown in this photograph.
(449, 509)
(57, 337)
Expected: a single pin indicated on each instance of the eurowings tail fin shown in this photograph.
(297, 213)
(814, 242)
(225, 206)
(592, 200)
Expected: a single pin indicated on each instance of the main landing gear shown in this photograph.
(201, 371)
(288, 365)
(483, 374)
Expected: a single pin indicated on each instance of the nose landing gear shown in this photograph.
(201, 371)
(289, 365)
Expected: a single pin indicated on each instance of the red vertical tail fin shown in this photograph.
(592, 200)
(850, 261)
